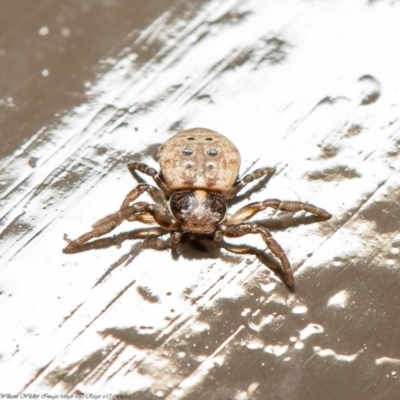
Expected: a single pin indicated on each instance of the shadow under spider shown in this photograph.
(204, 248)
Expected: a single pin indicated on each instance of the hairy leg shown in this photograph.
(274, 247)
(250, 210)
(110, 222)
(158, 179)
(241, 183)
(139, 211)
(156, 194)
(149, 233)
(265, 258)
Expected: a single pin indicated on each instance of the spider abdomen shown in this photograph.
(199, 159)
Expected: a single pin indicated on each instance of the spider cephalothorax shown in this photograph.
(198, 177)
(198, 210)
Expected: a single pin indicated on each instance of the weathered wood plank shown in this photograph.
(306, 87)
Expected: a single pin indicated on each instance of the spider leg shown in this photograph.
(250, 210)
(110, 222)
(274, 247)
(241, 183)
(148, 233)
(139, 211)
(157, 177)
(175, 240)
(156, 194)
(266, 259)
(100, 228)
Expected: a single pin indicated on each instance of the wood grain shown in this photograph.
(308, 88)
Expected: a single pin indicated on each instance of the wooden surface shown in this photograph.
(309, 88)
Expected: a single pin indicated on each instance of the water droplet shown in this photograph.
(276, 350)
(255, 344)
(310, 329)
(299, 310)
(43, 31)
(252, 388)
(268, 287)
(255, 313)
(337, 263)
(299, 345)
(245, 312)
(65, 32)
(339, 299)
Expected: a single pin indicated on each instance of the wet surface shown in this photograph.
(307, 88)
(51, 53)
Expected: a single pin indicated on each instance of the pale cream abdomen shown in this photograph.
(199, 159)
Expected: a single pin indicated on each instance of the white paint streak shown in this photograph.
(339, 357)
(387, 360)
(339, 299)
(276, 350)
(299, 310)
(310, 329)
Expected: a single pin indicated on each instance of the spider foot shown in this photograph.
(72, 247)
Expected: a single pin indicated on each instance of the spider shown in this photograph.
(198, 176)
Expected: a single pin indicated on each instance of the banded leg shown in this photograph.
(139, 211)
(266, 259)
(241, 183)
(274, 247)
(156, 194)
(149, 233)
(250, 210)
(157, 177)
(97, 231)
(110, 222)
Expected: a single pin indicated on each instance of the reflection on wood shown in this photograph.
(307, 88)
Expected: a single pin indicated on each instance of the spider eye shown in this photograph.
(212, 152)
(187, 152)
